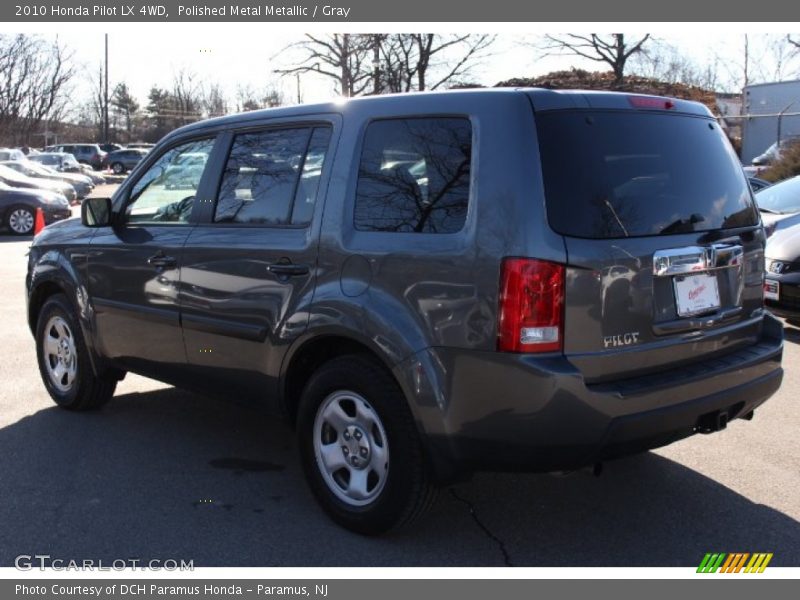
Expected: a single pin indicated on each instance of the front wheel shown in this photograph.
(21, 220)
(360, 448)
(118, 168)
(64, 360)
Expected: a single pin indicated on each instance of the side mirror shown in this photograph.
(96, 212)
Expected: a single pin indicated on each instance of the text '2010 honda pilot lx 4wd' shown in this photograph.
(427, 285)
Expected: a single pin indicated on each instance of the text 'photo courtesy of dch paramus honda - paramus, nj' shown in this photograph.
(424, 287)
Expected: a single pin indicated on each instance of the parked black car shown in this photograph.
(110, 147)
(83, 185)
(782, 283)
(122, 161)
(15, 179)
(90, 154)
(423, 286)
(18, 208)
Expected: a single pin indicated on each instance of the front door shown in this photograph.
(134, 266)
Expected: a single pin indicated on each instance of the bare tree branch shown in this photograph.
(614, 50)
(381, 63)
(34, 84)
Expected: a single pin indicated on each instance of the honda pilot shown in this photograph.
(427, 285)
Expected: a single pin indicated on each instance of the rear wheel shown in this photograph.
(64, 360)
(360, 448)
(20, 220)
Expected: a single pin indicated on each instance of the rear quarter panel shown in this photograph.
(409, 291)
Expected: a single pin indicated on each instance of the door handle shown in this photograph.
(287, 269)
(161, 261)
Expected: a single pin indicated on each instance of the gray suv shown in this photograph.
(89, 154)
(427, 285)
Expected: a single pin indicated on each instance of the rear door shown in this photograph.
(249, 266)
(664, 244)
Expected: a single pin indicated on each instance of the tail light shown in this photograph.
(531, 307)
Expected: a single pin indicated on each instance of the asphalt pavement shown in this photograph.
(165, 474)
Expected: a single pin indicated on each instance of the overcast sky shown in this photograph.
(234, 54)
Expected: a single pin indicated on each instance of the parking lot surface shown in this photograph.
(162, 473)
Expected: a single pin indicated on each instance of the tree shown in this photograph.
(34, 83)
(342, 57)
(425, 61)
(615, 50)
(124, 107)
(94, 110)
(160, 108)
(187, 95)
(665, 62)
(763, 58)
(214, 102)
(381, 63)
(248, 98)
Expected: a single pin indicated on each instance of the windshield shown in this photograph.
(611, 174)
(783, 197)
(36, 169)
(771, 149)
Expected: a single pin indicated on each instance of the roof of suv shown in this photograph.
(80, 145)
(543, 99)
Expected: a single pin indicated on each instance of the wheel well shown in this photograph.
(38, 297)
(308, 359)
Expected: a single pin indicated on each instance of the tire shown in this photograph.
(21, 219)
(383, 428)
(64, 363)
(118, 168)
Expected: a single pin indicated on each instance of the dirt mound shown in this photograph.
(596, 80)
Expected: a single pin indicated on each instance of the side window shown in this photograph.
(414, 175)
(165, 192)
(271, 177)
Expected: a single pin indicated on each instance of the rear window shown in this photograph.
(625, 174)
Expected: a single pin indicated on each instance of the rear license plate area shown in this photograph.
(772, 290)
(696, 293)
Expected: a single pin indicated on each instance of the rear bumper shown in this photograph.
(788, 305)
(494, 411)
